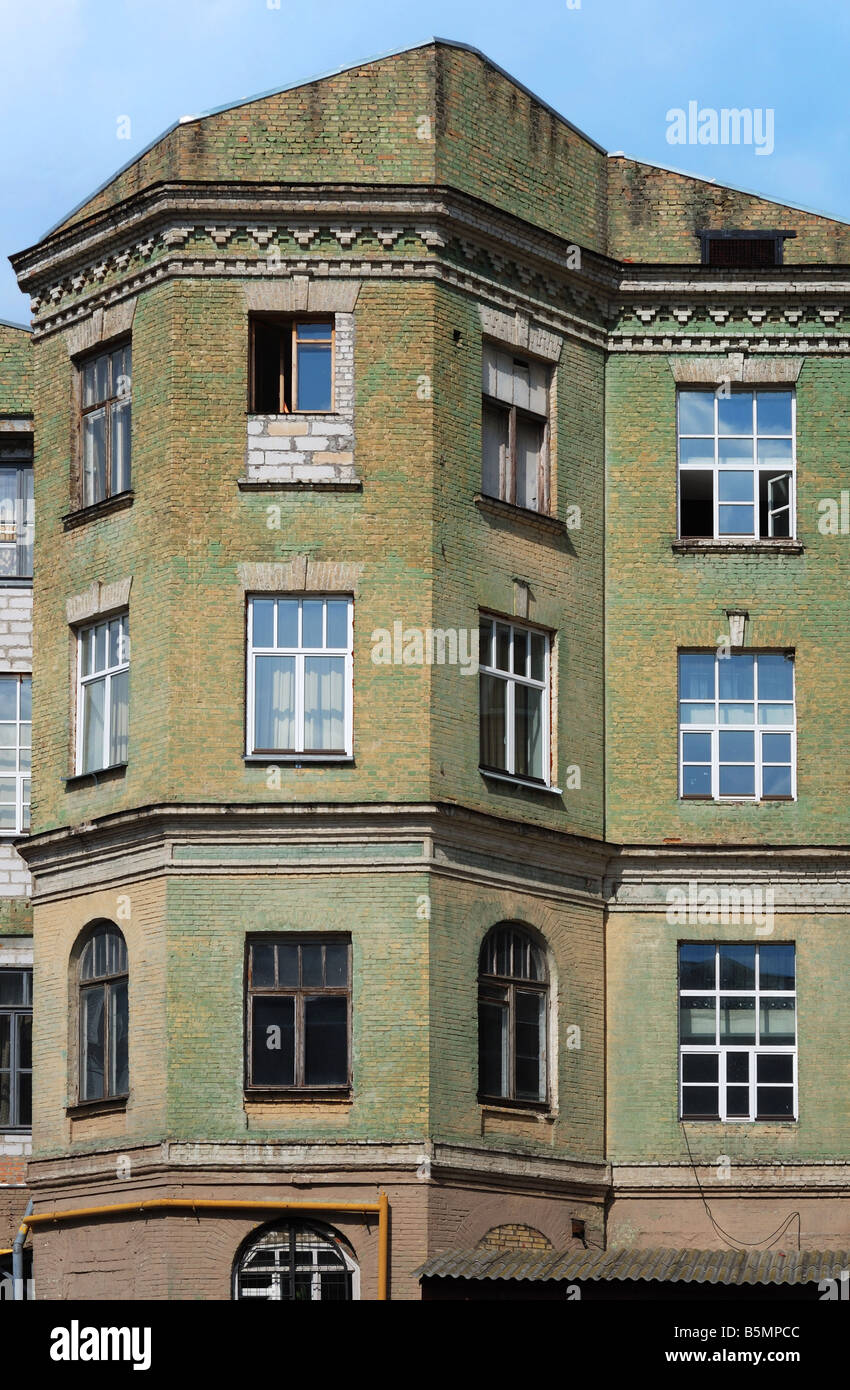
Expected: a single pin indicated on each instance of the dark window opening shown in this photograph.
(15, 1049)
(743, 250)
(299, 996)
(104, 1022)
(291, 366)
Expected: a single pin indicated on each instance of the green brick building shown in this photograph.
(437, 846)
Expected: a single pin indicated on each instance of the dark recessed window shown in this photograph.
(742, 250)
(15, 1049)
(299, 1004)
(291, 365)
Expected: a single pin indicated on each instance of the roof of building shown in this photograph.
(664, 1266)
(307, 82)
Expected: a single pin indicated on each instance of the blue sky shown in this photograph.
(71, 69)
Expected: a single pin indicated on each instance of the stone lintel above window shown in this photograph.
(735, 367)
(98, 600)
(101, 326)
(517, 330)
(301, 575)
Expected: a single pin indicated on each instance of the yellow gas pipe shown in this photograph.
(381, 1208)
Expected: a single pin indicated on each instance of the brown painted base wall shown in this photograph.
(162, 1255)
(13, 1204)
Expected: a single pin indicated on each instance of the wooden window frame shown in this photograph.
(508, 986)
(293, 322)
(15, 1012)
(82, 411)
(107, 982)
(299, 993)
(508, 463)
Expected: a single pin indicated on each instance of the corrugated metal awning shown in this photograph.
(666, 1266)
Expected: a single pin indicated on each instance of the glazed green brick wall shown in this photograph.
(363, 126)
(208, 921)
(654, 215)
(16, 382)
(497, 143)
(190, 527)
(476, 559)
(658, 601)
(642, 975)
(461, 916)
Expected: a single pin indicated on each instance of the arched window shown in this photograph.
(292, 1262)
(102, 977)
(512, 998)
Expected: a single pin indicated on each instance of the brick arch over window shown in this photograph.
(553, 1220)
(515, 1236)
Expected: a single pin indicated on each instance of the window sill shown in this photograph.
(519, 782)
(739, 800)
(523, 1108)
(14, 581)
(715, 546)
(82, 515)
(538, 521)
(298, 759)
(334, 1095)
(82, 1109)
(297, 485)
(92, 779)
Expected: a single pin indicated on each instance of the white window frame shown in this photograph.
(738, 466)
(106, 674)
(715, 728)
(20, 774)
(300, 652)
(754, 1051)
(512, 680)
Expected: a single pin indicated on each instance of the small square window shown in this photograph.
(292, 365)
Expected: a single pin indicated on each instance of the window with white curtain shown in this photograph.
(103, 694)
(299, 677)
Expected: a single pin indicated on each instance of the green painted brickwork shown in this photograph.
(477, 557)
(414, 529)
(208, 921)
(16, 396)
(363, 126)
(642, 978)
(414, 1008)
(658, 601)
(654, 215)
(462, 914)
